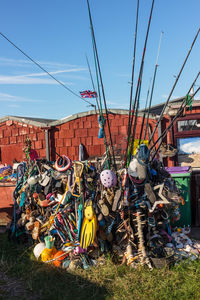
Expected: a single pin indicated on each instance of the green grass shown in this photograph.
(109, 281)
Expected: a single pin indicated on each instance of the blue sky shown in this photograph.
(57, 35)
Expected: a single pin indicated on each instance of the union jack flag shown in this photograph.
(88, 94)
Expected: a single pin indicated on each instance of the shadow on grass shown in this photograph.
(44, 281)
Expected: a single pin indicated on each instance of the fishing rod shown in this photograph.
(132, 79)
(92, 82)
(153, 84)
(177, 78)
(144, 115)
(180, 110)
(44, 70)
(102, 87)
(109, 161)
(137, 96)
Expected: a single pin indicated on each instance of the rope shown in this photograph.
(44, 70)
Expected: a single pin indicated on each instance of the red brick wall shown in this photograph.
(68, 136)
(12, 137)
(64, 138)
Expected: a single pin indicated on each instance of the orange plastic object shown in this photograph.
(58, 261)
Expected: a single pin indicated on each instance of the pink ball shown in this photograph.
(108, 178)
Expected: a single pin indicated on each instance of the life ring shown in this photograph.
(63, 163)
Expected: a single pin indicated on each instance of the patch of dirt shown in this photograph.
(13, 288)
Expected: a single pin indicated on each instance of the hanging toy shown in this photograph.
(101, 122)
(108, 178)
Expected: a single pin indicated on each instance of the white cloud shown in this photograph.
(55, 72)
(25, 63)
(10, 98)
(24, 80)
(29, 78)
(190, 148)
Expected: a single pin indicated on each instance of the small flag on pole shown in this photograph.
(88, 94)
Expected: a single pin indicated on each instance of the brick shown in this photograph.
(13, 140)
(76, 124)
(63, 150)
(81, 132)
(57, 150)
(15, 132)
(5, 141)
(38, 145)
(23, 130)
(59, 143)
(31, 130)
(19, 139)
(95, 124)
(115, 130)
(65, 125)
(63, 133)
(83, 140)
(72, 151)
(117, 122)
(81, 124)
(41, 135)
(67, 142)
(97, 141)
(103, 149)
(110, 116)
(1, 134)
(70, 133)
(33, 136)
(7, 132)
(95, 150)
(56, 134)
(123, 129)
(89, 141)
(88, 124)
(3, 124)
(76, 141)
(92, 132)
(42, 153)
(71, 125)
(9, 123)
(25, 125)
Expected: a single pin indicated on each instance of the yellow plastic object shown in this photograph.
(48, 254)
(136, 144)
(88, 212)
(78, 170)
(89, 227)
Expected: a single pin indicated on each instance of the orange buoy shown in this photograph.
(58, 261)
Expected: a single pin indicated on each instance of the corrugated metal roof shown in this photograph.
(157, 109)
